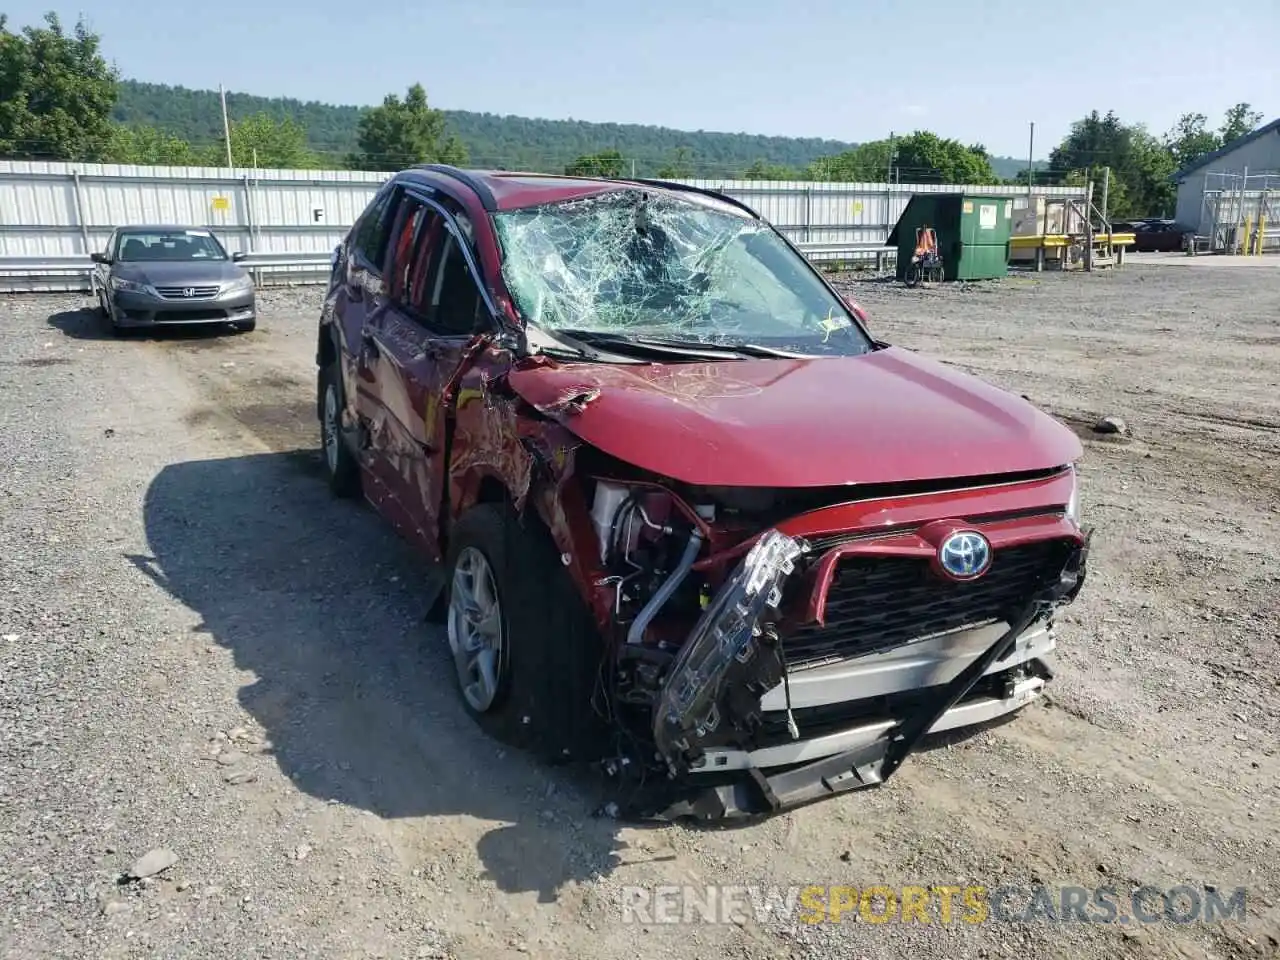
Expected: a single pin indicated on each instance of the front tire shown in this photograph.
(341, 466)
(108, 315)
(525, 649)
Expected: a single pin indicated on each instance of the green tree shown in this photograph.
(1148, 189)
(764, 170)
(606, 163)
(1190, 139)
(926, 157)
(1140, 165)
(271, 143)
(56, 93)
(147, 146)
(865, 163)
(922, 157)
(400, 133)
(679, 166)
(1240, 120)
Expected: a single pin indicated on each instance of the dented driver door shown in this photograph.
(434, 309)
(396, 359)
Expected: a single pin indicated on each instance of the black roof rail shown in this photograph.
(689, 188)
(481, 190)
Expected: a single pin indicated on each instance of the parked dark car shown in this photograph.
(1151, 236)
(152, 276)
(695, 521)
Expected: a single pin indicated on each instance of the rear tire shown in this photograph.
(341, 466)
(548, 657)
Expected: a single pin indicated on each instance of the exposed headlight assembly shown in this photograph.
(1073, 504)
(723, 650)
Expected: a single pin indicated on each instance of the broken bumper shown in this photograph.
(732, 668)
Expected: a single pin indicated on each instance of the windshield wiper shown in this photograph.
(561, 344)
(701, 348)
(686, 348)
(755, 350)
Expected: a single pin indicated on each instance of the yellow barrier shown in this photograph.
(1064, 240)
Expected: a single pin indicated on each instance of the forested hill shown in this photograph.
(491, 140)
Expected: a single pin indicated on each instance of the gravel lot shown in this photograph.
(202, 652)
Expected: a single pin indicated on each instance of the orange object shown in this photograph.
(926, 242)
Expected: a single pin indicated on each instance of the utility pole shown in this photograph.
(888, 174)
(1031, 153)
(226, 125)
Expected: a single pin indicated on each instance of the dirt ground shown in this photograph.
(201, 651)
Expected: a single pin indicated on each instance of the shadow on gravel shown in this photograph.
(354, 689)
(89, 324)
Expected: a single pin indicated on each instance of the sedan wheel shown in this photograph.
(475, 629)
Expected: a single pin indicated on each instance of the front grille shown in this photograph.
(181, 293)
(877, 602)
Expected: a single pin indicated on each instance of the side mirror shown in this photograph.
(856, 310)
(238, 256)
(99, 258)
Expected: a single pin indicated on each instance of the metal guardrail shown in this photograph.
(80, 263)
(71, 273)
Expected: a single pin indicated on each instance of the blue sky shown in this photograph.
(848, 70)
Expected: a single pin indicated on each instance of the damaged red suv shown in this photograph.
(693, 520)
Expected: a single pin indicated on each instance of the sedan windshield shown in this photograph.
(633, 264)
(171, 245)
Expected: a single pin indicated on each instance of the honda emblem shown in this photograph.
(189, 292)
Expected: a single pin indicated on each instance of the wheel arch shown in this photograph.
(327, 351)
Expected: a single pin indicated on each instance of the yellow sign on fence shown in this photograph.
(221, 203)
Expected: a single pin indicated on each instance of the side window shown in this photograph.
(369, 239)
(456, 308)
(416, 229)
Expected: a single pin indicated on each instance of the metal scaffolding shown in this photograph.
(1240, 207)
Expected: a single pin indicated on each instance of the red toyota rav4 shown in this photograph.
(693, 518)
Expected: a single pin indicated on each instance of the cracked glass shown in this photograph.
(633, 263)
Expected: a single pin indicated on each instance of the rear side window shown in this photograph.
(369, 239)
(416, 235)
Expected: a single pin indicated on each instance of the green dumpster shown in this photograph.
(972, 231)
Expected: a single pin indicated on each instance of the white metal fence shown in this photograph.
(53, 215)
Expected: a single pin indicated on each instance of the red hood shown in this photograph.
(881, 417)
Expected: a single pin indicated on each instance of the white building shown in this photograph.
(1257, 152)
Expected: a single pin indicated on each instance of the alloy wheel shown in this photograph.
(475, 629)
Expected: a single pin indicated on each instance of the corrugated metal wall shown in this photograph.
(815, 212)
(59, 209)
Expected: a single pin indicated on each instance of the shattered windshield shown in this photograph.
(635, 264)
